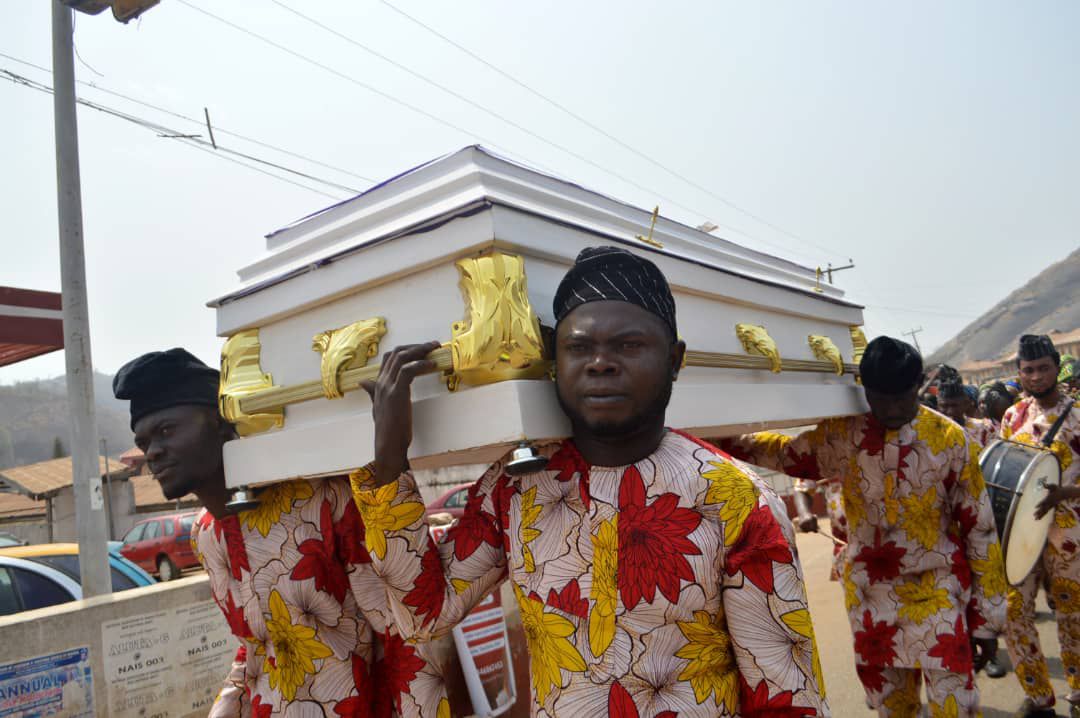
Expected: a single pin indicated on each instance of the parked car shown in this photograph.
(162, 545)
(452, 502)
(43, 575)
(9, 539)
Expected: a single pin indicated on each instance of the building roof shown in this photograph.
(17, 506)
(31, 324)
(148, 496)
(46, 478)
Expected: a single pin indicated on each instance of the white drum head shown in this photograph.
(1027, 535)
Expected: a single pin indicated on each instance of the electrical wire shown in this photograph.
(421, 111)
(170, 133)
(626, 146)
(201, 123)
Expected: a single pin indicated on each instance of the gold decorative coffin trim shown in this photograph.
(858, 341)
(498, 340)
(825, 350)
(347, 347)
(755, 340)
(720, 360)
(500, 337)
(241, 375)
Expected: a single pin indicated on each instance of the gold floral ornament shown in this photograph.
(381, 515)
(755, 340)
(499, 338)
(275, 500)
(922, 598)
(858, 343)
(347, 347)
(295, 649)
(711, 669)
(825, 350)
(605, 589)
(550, 649)
(241, 375)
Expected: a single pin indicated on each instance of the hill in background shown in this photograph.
(1049, 301)
(34, 414)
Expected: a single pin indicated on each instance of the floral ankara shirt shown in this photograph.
(923, 564)
(669, 587)
(1026, 422)
(295, 583)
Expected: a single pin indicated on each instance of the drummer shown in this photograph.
(1028, 422)
(923, 579)
(802, 496)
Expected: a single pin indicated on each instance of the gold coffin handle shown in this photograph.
(755, 340)
(241, 376)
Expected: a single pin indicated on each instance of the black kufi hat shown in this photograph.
(160, 380)
(890, 366)
(951, 390)
(1037, 346)
(611, 273)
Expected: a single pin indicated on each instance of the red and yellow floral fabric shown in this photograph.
(1028, 423)
(667, 587)
(296, 585)
(923, 565)
(981, 431)
(834, 508)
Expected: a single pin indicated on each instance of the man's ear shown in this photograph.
(678, 358)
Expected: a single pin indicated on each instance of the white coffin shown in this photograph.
(391, 253)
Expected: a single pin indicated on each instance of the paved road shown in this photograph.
(999, 697)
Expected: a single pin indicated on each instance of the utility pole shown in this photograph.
(915, 339)
(86, 472)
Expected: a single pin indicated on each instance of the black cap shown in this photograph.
(160, 380)
(1037, 346)
(890, 366)
(612, 273)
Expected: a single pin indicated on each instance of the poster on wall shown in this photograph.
(59, 684)
(166, 663)
(484, 652)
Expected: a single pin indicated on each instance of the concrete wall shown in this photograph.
(30, 530)
(159, 650)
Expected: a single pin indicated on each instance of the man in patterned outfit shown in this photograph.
(923, 579)
(954, 401)
(803, 496)
(654, 575)
(1028, 422)
(292, 576)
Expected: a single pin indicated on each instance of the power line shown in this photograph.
(169, 133)
(559, 106)
(421, 111)
(196, 121)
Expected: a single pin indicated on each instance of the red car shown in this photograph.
(161, 545)
(452, 502)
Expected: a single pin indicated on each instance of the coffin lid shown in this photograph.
(473, 180)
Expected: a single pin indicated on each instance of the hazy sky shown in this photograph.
(936, 143)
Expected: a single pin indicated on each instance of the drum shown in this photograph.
(1016, 478)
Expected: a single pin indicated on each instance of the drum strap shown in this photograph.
(1049, 438)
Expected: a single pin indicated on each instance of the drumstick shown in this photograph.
(832, 538)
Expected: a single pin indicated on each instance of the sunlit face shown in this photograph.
(894, 410)
(1038, 377)
(614, 366)
(182, 445)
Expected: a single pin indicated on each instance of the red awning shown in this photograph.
(31, 324)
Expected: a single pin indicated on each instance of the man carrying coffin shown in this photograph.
(292, 576)
(923, 579)
(655, 576)
(1028, 422)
